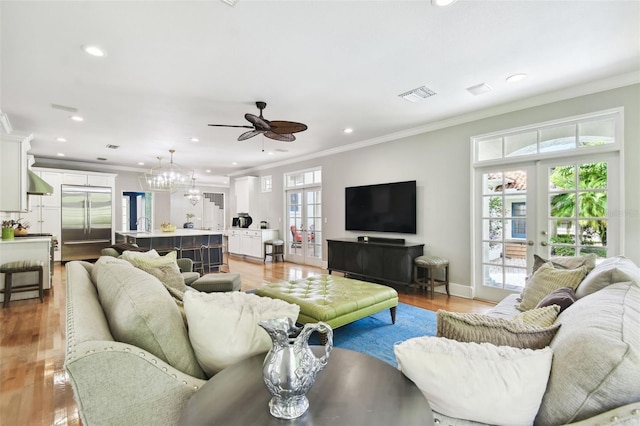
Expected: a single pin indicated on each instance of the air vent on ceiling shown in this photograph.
(479, 89)
(101, 159)
(64, 108)
(230, 2)
(417, 95)
(113, 146)
(282, 150)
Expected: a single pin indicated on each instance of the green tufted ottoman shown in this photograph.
(334, 300)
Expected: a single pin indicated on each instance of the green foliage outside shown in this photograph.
(591, 203)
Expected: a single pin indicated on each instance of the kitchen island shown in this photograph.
(203, 246)
(31, 248)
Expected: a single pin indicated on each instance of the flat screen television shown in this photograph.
(388, 207)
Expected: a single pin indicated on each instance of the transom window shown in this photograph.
(549, 139)
(311, 177)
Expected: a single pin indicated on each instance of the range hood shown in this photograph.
(37, 186)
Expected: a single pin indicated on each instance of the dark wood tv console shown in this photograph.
(377, 261)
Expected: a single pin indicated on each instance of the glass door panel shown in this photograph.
(504, 228)
(577, 209)
(304, 226)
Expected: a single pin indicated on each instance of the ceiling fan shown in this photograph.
(277, 130)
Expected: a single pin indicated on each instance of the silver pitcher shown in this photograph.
(290, 367)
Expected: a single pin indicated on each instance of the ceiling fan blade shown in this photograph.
(229, 125)
(286, 137)
(250, 134)
(259, 123)
(282, 127)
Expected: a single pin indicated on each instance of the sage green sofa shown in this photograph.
(116, 382)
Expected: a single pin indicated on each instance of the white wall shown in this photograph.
(440, 163)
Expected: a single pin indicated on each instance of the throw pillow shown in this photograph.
(498, 331)
(546, 280)
(163, 268)
(140, 312)
(129, 255)
(497, 385)
(566, 262)
(106, 260)
(612, 270)
(541, 317)
(562, 297)
(223, 327)
(122, 247)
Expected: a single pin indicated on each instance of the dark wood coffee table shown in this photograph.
(353, 389)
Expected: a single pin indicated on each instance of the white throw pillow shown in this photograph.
(129, 255)
(481, 382)
(223, 327)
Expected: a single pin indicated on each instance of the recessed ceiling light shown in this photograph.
(348, 130)
(479, 89)
(94, 51)
(516, 78)
(60, 154)
(61, 139)
(77, 118)
(270, 153)
(141, 164)
(194, 140)
(442, 3)
(208, 170)
(234, 163)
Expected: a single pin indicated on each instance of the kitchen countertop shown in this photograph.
(20, 240)
(179, 232)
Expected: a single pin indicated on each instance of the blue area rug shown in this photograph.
(375, 335)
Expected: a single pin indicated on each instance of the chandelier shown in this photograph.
(193, 195)
(166, 178)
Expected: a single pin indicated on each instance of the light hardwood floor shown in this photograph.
(34, 389)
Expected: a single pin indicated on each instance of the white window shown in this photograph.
(267, 184)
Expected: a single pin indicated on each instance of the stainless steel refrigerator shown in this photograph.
(86, 221)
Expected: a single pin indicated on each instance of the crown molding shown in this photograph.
(551, 96)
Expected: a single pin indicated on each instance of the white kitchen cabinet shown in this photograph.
(13, 173)
(90, 179)
(234, 242)
(250, 242)
(246, 194)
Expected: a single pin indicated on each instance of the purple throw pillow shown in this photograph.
(563, 297)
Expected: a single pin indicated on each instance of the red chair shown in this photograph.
(297, 235)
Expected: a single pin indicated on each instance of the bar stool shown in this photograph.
(193, 248)
(276, 249)
(431, 264)
(213, 253)
(15, 268)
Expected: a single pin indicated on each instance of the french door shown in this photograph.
(304, 226)
(557, 207)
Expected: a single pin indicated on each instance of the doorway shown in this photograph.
(137, 211)
(558, 207)
(304, 226)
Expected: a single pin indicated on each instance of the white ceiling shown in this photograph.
(172, 67)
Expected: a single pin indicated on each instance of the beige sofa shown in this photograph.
(595, 371)
(118, 383)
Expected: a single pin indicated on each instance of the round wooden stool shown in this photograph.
(10, 268)
(276, 249)
(431, 264)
